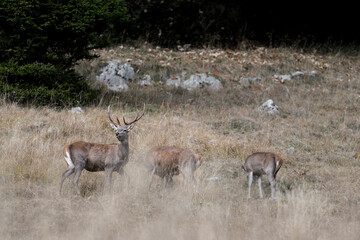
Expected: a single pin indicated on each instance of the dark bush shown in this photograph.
(57, 32)
(40, 41)
(43, 84)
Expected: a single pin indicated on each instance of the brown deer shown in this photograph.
(261, 163)
(169, 161)
(96, 157)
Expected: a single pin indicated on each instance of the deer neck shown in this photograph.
(123, 150)
(124, 144)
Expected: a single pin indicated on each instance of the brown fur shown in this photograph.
(260, 163)
(99, 157)
(169, 161)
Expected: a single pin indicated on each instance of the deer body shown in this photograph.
(167, 162)
(91, 155)
(261, 163)
(95, 157)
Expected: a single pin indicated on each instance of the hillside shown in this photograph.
(316, 131)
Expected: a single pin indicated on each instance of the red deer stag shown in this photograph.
(261, 163)
(96, 157)
(169, 161)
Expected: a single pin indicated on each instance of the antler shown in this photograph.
(111, 119)
(137, 117)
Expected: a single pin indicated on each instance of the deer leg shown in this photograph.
(260, 190)
(189, 177)
(187, 172)
(108, 173)
(170, 180)
(250, 176)
(123, 173)
(191, 174)
(78, 170)
(164, 182)
(151, 176)
(68, 172)
(272, 181)
(193, 180)
(167, 180)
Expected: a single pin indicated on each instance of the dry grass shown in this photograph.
(318, 195)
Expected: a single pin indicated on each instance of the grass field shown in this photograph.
(318, 186)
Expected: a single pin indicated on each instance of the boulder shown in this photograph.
(195, 81)
(201, 81)
(269, 107)
(116, 76)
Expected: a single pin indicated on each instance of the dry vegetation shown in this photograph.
(318, 186)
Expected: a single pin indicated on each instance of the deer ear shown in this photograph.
(131, 126)
(113, 126)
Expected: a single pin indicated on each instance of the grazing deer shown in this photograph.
(261, 163)
(169, 161)
(96, 157)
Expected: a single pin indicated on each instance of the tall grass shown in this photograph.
(317, 190)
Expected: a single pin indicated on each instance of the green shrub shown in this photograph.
(56, 32)
(41, 41)
(43, 84)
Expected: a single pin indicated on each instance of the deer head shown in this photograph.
(121, 132)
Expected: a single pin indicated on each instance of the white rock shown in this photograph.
(126, 71)
(183, 74)
(195, 81)
(77, 110)
(325, 90)
(250, 80)
(146, 81)
(313, 73)
(298, 74)
(291, 150)
(174, 82)
(201, 81)
(117, 76)
(269, 107)
(213, 179)
(282, 77)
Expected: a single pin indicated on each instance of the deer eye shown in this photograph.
(117, 134)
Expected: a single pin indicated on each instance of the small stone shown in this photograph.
(298, 74)
(313, 73)
(213, 179)
(173, 82)
(77, 110)
(250, 80)
(146, 81)
(291, 150)
(282, 78)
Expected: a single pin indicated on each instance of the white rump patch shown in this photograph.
(68, 160)
(277, 163)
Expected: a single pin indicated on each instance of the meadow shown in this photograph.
(316, 131)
